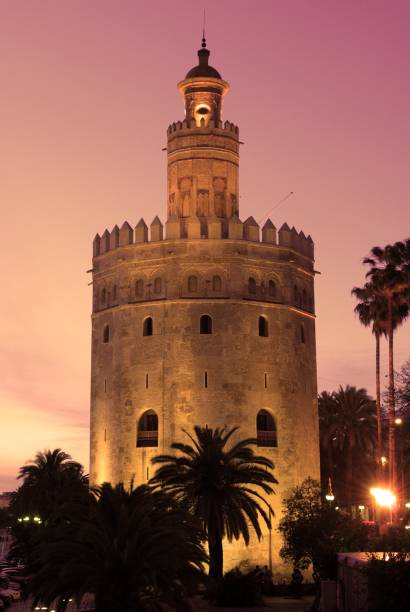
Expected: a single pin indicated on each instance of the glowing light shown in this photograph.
(330, 495)
(407, 504)
(361, 508)
(383, 460)
(398, 421)
(407, 527)
(26, 518)
(383, 497)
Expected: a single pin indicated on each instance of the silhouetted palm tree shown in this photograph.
(351, 426)
(49, 480)
(389, 281)
(219, 485)
(326, 418)
(130, 549)
(372, 310)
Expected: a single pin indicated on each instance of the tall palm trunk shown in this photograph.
(392, 441)
(349, 475)
(378, 409)
(215, 554)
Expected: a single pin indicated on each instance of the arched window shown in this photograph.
(216, 283)
(192, 284)
(302, 334)
(263, 327)
(103, 296)
(251, 285)
(106, 334)
(157, 285)
(147, 430)
(139, 287)
(147, 328)
(266, 429)
(272, 288)
(205, 324)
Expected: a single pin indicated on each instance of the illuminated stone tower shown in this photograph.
(212, 324)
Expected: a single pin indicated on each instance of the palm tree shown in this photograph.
(129, 549)
(390, 282)
(326, 417)
(48, 480)
(372, 310)
(352, 427)
(219, 485)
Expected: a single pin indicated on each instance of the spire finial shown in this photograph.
(203, 33)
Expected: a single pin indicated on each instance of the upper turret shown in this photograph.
(203, 69)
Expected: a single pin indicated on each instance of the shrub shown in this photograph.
(238, 590)
(389, 582)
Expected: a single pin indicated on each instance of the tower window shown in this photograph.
(206, 380)
(147, 430)
(263, 327)
(216, 283)
(272, 288)
(266, 381)
(147, 328)
(106, 334)
(205, 324)
(302, 334)
(252, 285)
(139, 288)
(146, 381)
(103, 296)
(266, 429)
(192, 284)
(157, 285)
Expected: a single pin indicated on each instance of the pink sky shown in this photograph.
(321, 92)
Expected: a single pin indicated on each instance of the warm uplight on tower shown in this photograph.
(383, 497)
(383, 461)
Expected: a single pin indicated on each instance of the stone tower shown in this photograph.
(212, 324)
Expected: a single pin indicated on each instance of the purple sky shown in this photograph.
(321, 92)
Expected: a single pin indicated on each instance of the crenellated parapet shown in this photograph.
(226, 127)
(209, 228)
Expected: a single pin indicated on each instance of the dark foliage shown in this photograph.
(130, 549)
(389, 582)
(239, 590)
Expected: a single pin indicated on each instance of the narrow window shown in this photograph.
(263, 327)
(272, 289)
(266, 429)
(105, 435)
(147, 429)
(192, 284)
(139, 288)
(106, 334)
(266, 381)
(205, 325)
(157, 285)
(206, 380)
(252, 285)
(147, 327)
(114, 292)
(302, 334)
(103, 296)
(146, 381)
(147, 473)
(216, 283)
(105, 385)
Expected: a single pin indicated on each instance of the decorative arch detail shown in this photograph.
(147, 429)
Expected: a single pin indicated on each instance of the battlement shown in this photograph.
(207, 228)
(225, 126)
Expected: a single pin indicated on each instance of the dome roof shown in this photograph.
(203, 69)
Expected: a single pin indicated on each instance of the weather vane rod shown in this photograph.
(203, 32)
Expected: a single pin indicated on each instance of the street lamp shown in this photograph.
(329, 495)
(384, 498)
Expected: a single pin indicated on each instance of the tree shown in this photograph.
(350, 424)
(49, 481)
(313, 532)
(130, 549)
(219, 485)
(372, 310)
(389, 278)
(403, 389)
